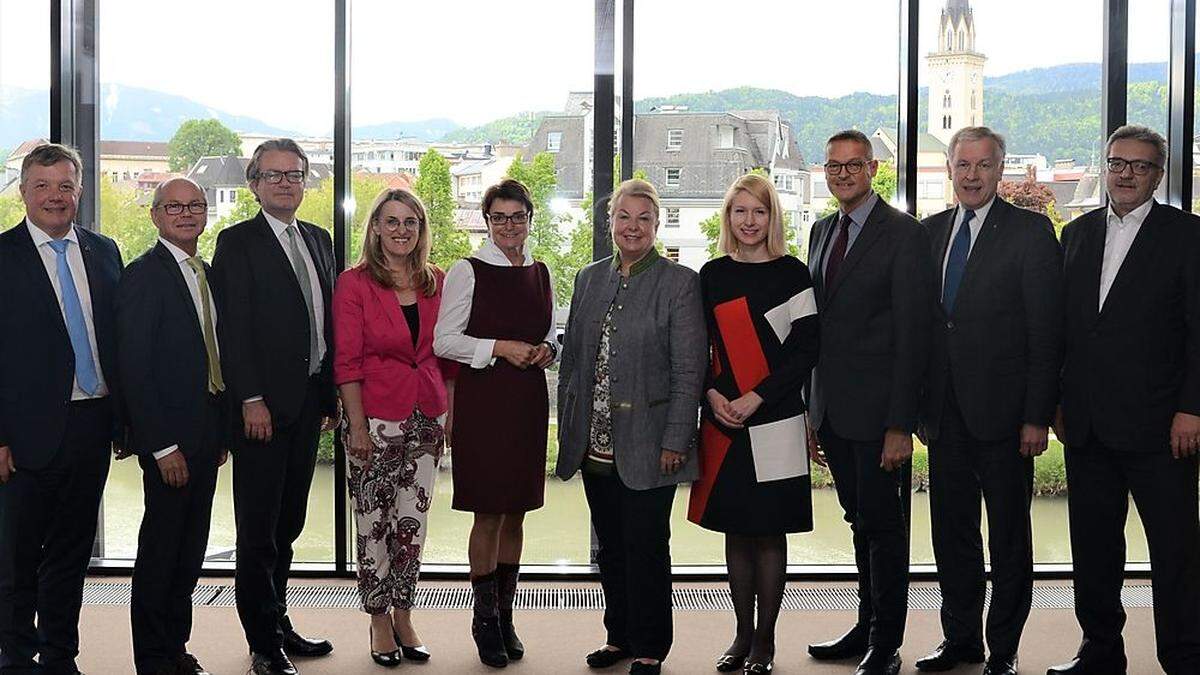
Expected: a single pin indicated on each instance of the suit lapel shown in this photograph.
(869, 234)
(1137, 259)
(1091, 253)
(37, 274)
(275, 252)
(816, 253)
(172, 270)
(989, 232)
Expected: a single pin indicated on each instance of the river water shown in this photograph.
(558, 533)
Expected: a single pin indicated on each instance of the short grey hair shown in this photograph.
(49, 154)
(276, 144)
(856, 136)
(158, 189)
(976, 134)
(1137, 132)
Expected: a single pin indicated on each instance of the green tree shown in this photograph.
(201, 138)
(12, 211)
(126, 220)
(450, 243)
(546, 240)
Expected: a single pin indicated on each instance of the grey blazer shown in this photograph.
(658, 353)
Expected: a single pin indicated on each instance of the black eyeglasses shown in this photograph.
(853, 167)
(176, 208)
(275, 177)
(1140, 167)
(518, 218)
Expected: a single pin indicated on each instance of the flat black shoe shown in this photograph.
(276, 663)
(642, 668)
(606, 658)
(389, 659)
(295, 644)
(758, 668)
(186, 664)
(727, 663)
(1001, 666)
(1091, 665)
(948, 655)
(489, 641)
(418, 653)
(879, 662)
(852, 645)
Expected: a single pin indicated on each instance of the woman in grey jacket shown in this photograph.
(629, 389)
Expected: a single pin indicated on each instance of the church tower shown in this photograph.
(955, 73)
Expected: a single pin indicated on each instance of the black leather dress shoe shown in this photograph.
(186, 664)
(276, 663)
(879, 662)
(606, 658)
(295, 644)
(948, 655)
(849, 646)
(1091, 666)
(643, 668)
(1001, 666)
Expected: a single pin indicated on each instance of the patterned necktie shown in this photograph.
(956, 264)
(838, 253)
(301, 270)
(85, 365)
(215, 382)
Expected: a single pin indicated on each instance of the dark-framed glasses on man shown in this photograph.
(853, 167)
(176, 208)
(274, 177)
(1140, 167)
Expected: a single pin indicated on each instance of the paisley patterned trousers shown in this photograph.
(392, 493)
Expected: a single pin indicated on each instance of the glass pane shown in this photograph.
(451, 131)
(200, 113)
(1149, 54)
(700, 125)
(24, 95)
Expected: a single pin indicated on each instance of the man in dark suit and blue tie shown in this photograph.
(167, 325)
(57, 418)
(277, 273)
(873, 282)
(992, 388)
(1130, 413)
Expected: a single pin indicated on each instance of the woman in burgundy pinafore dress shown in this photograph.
(497, 318)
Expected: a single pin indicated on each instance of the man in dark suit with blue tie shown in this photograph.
(1130, 412)
(277, 272)
(990, 397)
(874, 288)
(168, 310)
(57, 417)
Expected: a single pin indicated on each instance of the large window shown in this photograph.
(24, 95)
(172, 109)
(1149, 51)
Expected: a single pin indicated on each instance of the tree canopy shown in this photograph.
(201, 138)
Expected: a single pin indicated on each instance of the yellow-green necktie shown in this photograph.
(215, 381)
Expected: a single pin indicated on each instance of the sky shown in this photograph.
(477, 60)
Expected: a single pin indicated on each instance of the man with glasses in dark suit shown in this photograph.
(278, 274)
(1130, 412)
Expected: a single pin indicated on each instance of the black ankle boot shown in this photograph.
(506, 582)
(485, 624)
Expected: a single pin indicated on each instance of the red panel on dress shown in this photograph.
(746, 358)
(713, 446)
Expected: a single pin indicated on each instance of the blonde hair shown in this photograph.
(635, 187)
(761, 188)
(373, 259)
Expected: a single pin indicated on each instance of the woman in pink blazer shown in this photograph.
(395, 396)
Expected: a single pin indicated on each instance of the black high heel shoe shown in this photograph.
(386, 659)
(418, 653)
(727, 663)
(758, 668)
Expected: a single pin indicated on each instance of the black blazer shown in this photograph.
(875, 323)
(266, 321)
(160, 349)
(1002, 344)
(37, 364)
(1131, 366)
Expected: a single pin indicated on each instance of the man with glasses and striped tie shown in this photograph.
(168, 311)
(57, 419)
(278, 274)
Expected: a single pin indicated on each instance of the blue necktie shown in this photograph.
(85, 366)
(956, 264)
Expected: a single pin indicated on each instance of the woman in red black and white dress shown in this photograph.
(497, 319)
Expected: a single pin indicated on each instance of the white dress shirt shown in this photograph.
(280, 229)
(976, 226)
(41, 240)
(1118, 237)
(193, 284)
(450, 340)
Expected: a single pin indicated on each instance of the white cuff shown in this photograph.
(252, 399)
(483, 354)
(165, 451)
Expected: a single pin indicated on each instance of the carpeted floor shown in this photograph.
(556, 641)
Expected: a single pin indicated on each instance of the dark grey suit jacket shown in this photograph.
(658, 355)
(875, 324)
(1002, 343)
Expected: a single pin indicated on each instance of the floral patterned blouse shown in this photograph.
(600, 449)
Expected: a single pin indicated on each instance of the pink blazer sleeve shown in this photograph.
(348, 327)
